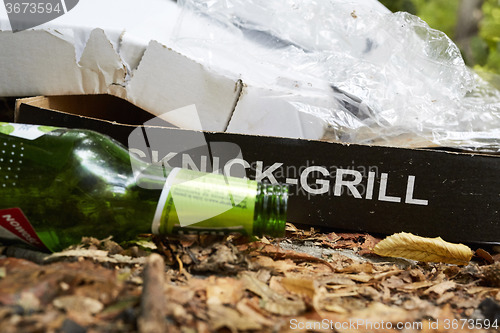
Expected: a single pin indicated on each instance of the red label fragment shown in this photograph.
(14, 221)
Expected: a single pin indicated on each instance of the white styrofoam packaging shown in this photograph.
(123, 48)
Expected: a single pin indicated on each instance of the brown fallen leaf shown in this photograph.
(368, 245)
(224, 316)
(393, 282)
(299, 286)
(417, 285)
(245, 306)
(485, 255)
(335, 308)
(278, 265)
(339, 279)
(224, 291)
(383, 275)
(271, 300)
(409, 246)
(95, 255)
(361, 277)
(491, 275)
(344, 292)
(440, 288)
(445, 298)
(79, 304)
(357, 267)
(50, 281)
(275, 252)
(215, 257)
(377, 311)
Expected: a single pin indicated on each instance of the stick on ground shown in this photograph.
(153, 303)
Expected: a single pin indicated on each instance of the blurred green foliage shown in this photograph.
(400, 6)
(489, 31)
(483, 52)
(439, 14)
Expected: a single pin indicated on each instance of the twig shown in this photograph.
(179, 261)
(153, 303)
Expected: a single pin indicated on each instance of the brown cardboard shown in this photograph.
(344, 187)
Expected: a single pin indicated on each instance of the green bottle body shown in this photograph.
(74, 183)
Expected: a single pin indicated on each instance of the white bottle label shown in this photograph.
(24, 131)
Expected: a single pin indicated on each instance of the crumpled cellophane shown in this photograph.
(387, 78)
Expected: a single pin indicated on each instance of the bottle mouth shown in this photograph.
(270, 210)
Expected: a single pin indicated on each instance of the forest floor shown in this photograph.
(307, 281)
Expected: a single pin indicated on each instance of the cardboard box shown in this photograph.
(344, 187)
(87, 51)
(132, 54)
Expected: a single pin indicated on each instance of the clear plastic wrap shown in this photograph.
(387, 78)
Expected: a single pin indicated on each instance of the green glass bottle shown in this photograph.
(57, 185)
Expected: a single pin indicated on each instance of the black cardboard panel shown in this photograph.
(430, 193)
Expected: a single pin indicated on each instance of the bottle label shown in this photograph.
(195, 202)
(24, 131)
(15, 225)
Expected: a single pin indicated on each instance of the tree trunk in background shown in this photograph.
(468, 18)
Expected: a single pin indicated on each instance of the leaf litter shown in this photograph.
(229, 284)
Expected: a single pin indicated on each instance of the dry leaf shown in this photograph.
(446, 297)
(485, 255)
(376, 310)
(361, 277)
(383, 275)
(224, 291)
(358, 267)
(417, 285)
(338, 279)
(278, 265)
(440, 288)
(335, 308)
(223, 316)
(50, 281)
(343, 293)
(301, 287)
(245, 307)
(393, 282)
(491, 275)
(271, 300)
(409, 246)
(277, 253)
(78, 304)
(96, 255)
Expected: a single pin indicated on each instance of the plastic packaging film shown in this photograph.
(368, 75)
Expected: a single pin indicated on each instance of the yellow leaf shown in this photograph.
(409, 246)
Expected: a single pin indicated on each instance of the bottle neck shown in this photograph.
(270, 210)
